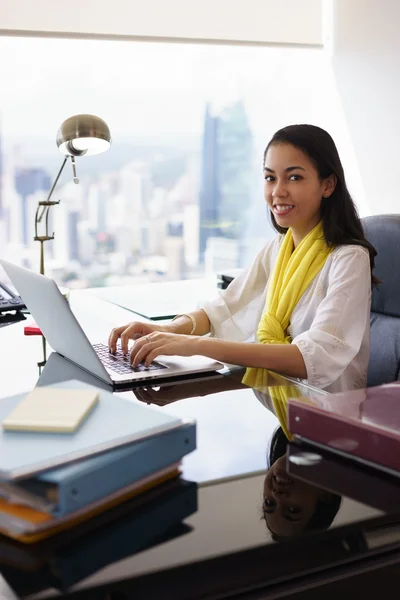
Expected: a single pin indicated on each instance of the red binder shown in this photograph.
(362, 424)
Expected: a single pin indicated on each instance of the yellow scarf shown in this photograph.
(280, 396)
(294, 271)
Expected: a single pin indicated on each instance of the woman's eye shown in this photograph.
(269, 503)
(295, 177)
(269, 178)
(294, 511)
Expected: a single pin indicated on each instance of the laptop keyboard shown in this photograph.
(119, 363)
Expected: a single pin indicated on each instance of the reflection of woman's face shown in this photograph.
(289, 503)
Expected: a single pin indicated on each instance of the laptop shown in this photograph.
(62, 330)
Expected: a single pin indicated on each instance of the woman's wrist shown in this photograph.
(193, 323)
(181, 324)
(191, 318)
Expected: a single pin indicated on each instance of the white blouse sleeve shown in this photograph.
(235, 312)
(340, 323)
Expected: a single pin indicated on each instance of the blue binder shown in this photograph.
(67, 489)
(115, 421)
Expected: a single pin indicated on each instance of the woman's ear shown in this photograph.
(330, 185)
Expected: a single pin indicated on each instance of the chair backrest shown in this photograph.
(383, 232)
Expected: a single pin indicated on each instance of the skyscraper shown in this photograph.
(209, 184)
(226, 174)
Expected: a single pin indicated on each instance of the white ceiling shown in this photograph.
(254, 21)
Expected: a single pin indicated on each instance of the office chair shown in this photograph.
(383, 232)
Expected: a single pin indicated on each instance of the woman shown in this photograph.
(306, 298)
(292, 506)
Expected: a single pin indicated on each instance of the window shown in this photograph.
(180, 191)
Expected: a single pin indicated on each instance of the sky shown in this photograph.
(142, 87)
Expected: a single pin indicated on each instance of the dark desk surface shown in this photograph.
(224, 546)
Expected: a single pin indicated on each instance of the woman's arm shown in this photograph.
(234, 312)
(283, 358)
(230, 311)
(341, 321)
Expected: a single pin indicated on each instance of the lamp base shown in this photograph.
(42, 239)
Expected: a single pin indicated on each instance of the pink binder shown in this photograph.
(363, 424)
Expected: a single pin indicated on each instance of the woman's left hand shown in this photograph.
(162, 395)
(147, 348)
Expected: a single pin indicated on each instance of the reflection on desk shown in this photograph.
(72, 556)
(226, 547)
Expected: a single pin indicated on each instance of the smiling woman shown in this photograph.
(306, 297)
(291, 506)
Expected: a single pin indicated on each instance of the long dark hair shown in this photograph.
(326, 509)
(340, 220)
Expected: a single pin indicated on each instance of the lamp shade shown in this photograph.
(83, 135)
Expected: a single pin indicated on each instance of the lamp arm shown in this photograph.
(52, 188)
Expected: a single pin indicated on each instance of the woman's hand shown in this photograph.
(162, 395)
(131, 331)
(166, 394)
(148, 347)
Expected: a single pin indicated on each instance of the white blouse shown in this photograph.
(330, 324)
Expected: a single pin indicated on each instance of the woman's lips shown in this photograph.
(280, 210)
(282, 478)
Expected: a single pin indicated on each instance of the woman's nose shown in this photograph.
(279, 492)
(279, 190)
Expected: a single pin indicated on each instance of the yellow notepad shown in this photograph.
(52, 410)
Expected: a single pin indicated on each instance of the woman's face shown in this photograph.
(289, 504)
(293, 189)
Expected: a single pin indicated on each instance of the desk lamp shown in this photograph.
(80, 135)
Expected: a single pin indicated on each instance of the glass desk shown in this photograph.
(219, 531)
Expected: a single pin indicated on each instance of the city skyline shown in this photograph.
(142, 220)
(138, 212)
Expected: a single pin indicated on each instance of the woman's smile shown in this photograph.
(281, 210)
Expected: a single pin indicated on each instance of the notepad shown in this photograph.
(51, 410)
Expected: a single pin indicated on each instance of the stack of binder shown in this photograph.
(50, 482)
